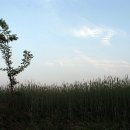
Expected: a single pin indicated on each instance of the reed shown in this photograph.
(48, 107)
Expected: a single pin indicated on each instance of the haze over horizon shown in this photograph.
(71, 40)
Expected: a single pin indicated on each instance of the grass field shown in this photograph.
(94, 105)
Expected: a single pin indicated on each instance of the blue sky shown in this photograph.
(71, 40)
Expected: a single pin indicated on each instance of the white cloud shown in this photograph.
(106, 38)
(104, 34)
(88, 32)
(80, 60)
(102, 63)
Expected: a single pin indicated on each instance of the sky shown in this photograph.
(71, 40)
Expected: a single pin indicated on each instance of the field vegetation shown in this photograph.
(94, 105)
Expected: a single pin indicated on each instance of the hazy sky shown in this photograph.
(70, 39)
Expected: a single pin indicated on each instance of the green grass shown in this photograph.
(94, 105)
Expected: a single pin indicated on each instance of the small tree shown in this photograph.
(5, 38)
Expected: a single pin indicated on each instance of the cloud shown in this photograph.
(80, 60)
(103, 63)
(104, 34)
(88, 32)
(106, 38)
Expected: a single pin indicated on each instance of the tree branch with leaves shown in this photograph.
(5, 38)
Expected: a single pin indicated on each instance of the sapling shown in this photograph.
(5, 38)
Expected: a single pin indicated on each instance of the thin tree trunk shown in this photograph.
(11, 86)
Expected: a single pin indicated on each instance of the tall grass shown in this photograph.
(47, 107)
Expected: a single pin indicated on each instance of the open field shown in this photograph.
(94, 105)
